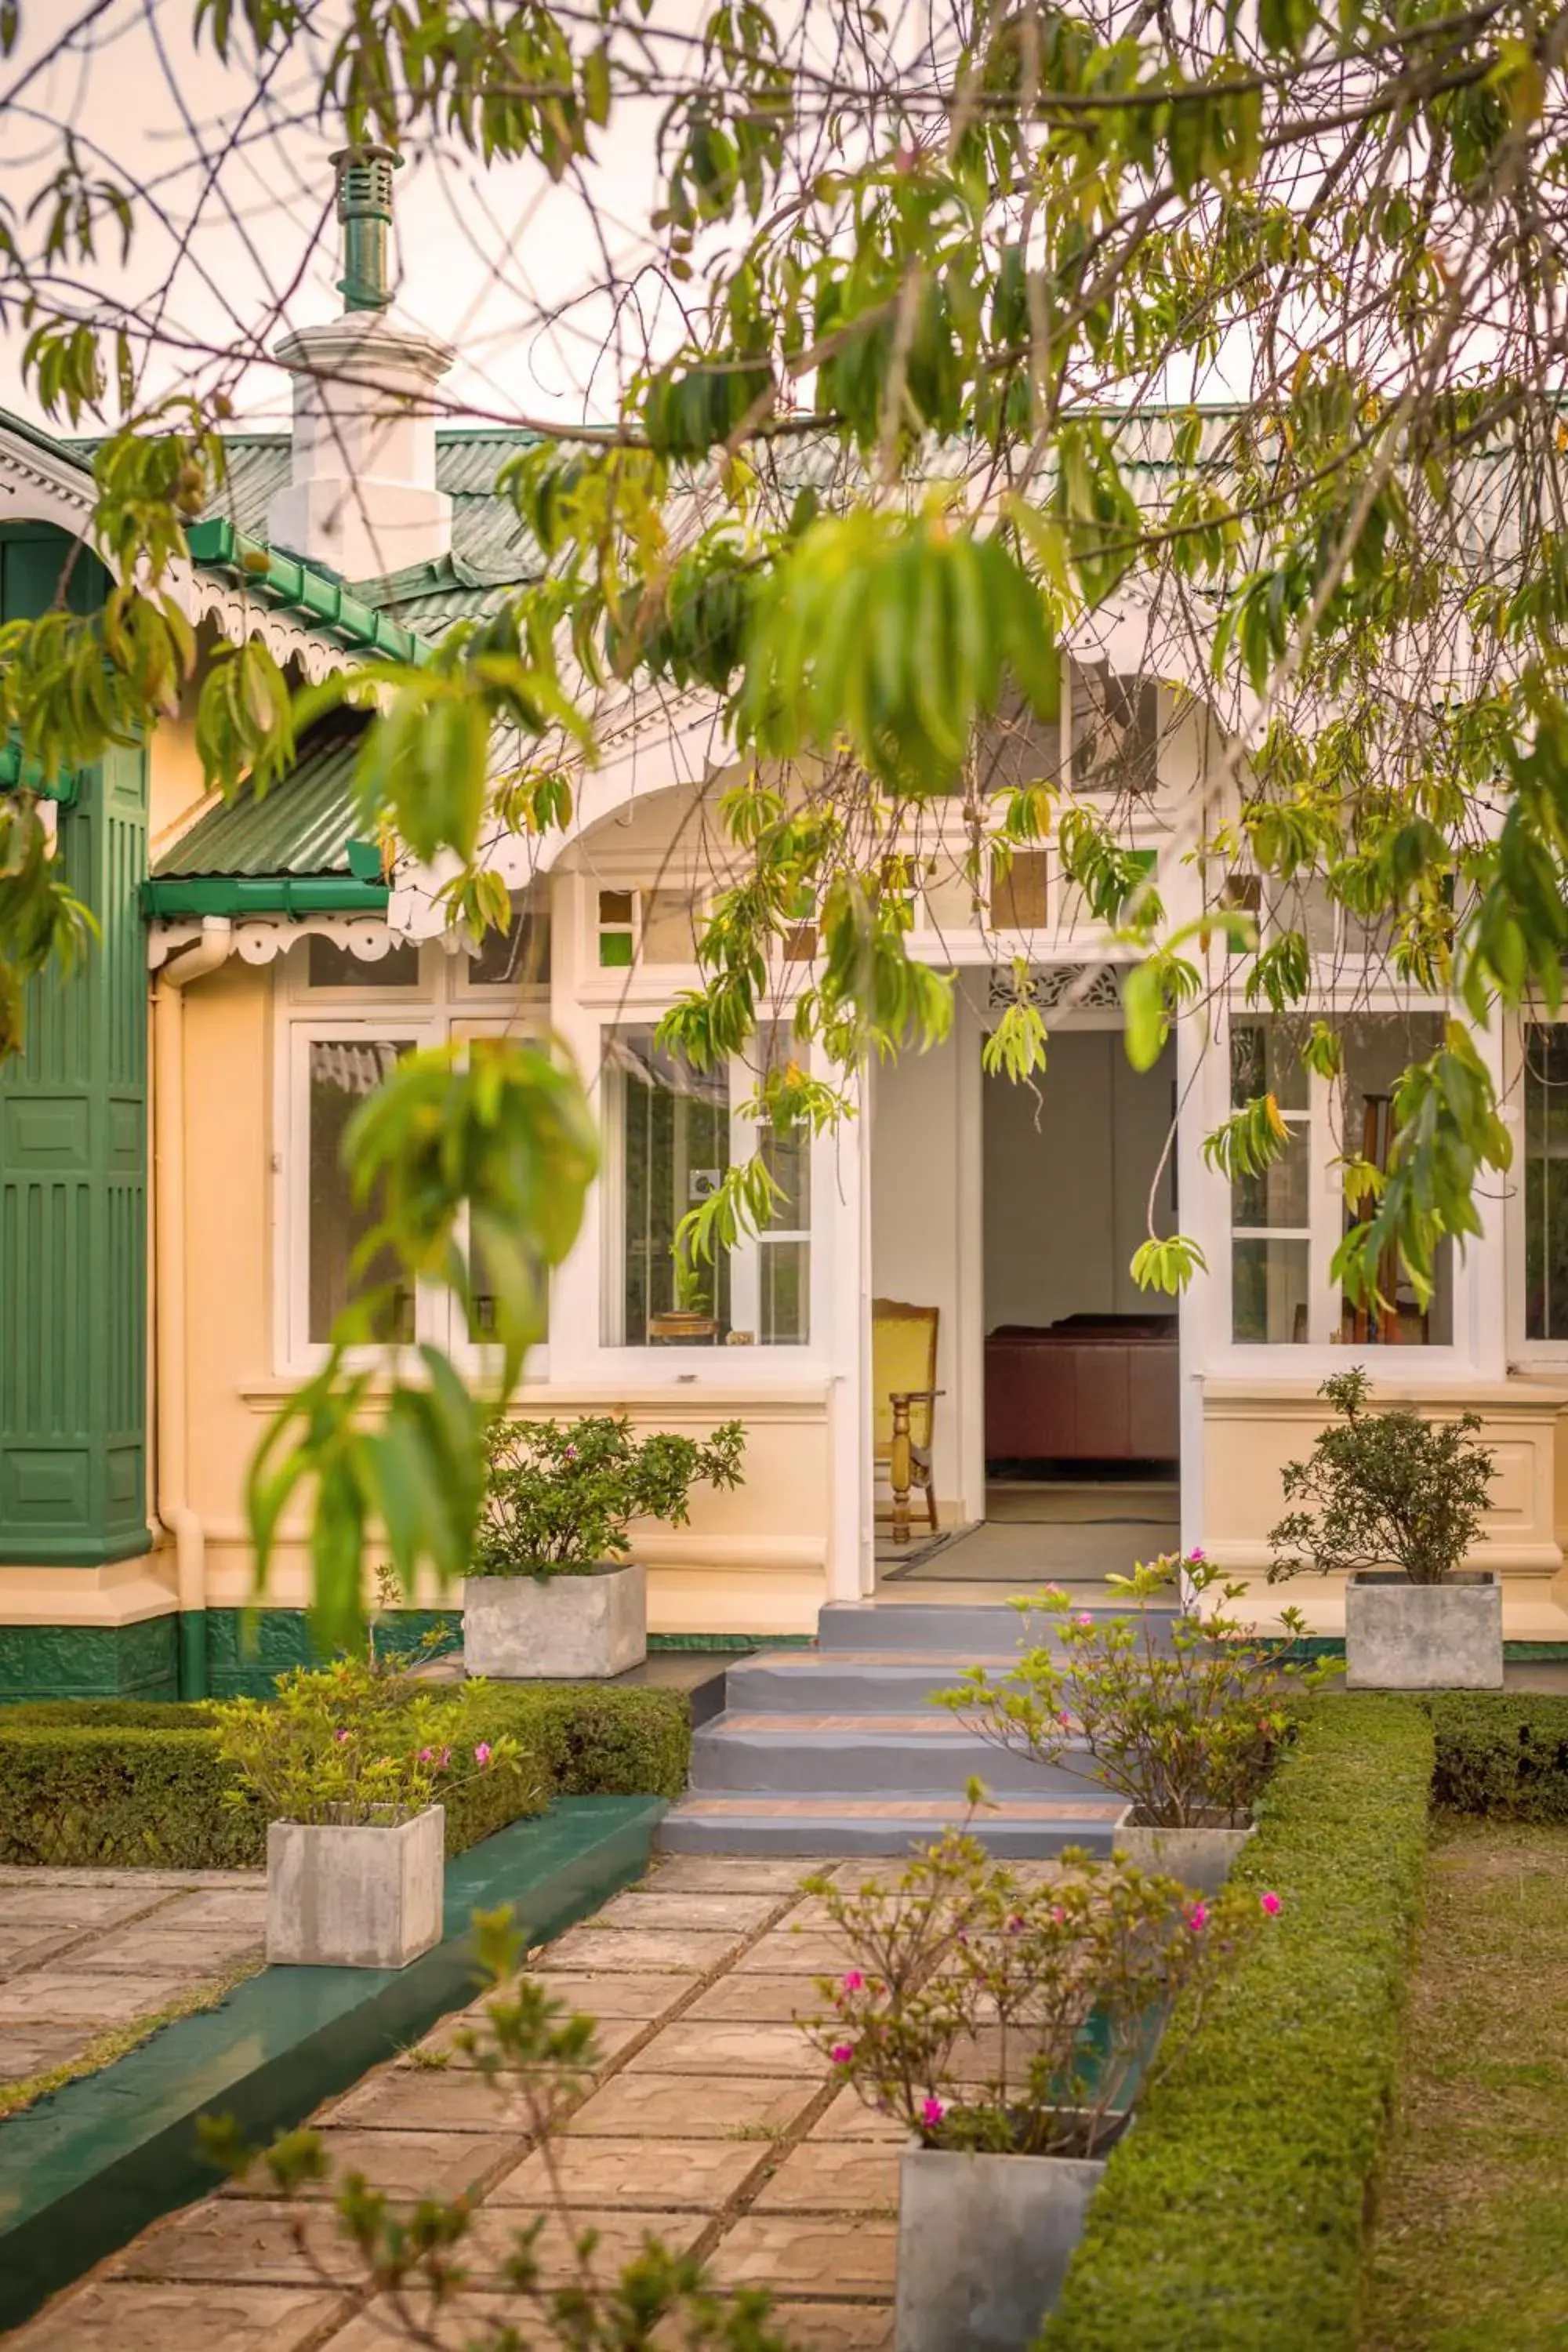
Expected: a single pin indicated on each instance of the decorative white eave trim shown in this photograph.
(38, 486)
(262, 939)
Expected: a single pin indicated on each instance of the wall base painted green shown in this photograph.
(234, 1652)
(139, 1661)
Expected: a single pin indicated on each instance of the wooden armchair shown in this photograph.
(904, 1379)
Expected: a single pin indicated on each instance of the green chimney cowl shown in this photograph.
(364, 209)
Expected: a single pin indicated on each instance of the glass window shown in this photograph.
(1115, 729)
(1018, 891)
(481, 1299)
(673, 1132)
(329, 964)
(342, 1072)
(668, 926)
(1546, 1181)
(672, 1126)
(618, 929)
(518, 957)
(1271, 1253)
(1377, 1050)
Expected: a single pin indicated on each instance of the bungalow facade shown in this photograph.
(175, 1228)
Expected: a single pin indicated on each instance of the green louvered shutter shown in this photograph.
(73, 1169)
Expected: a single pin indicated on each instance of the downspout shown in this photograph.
(214, 948)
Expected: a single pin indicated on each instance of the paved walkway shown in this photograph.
(87, 1955)
(709, 2122)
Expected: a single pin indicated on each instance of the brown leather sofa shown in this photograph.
(1092, 1388)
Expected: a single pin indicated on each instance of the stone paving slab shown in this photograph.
(56, 1996)
(26, 2050)
(699, 2175)
(152, 1949)
(228, 2318)
(709, 2122)
(832, 2177)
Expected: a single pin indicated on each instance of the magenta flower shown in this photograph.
(1198, 1918)
(853, 1980)
(1270, 1904)
(932, 2111)
(340, 1734)
(482, 1752)
(1084, 1618)
(842, 2052)
(1196, 1554)
(425, 1755)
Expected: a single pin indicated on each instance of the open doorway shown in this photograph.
(1080, 1386)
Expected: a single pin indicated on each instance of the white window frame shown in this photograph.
(1320, 1353)
(1538, 1354)
(446, 1006)
(774, 1364)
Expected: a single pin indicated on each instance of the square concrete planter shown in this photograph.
(1199, 1857)
(365, 1896)
(1405, 1636)
(984, 2245)
(555, 1628)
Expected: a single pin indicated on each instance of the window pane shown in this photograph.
(675, 1147)
(1376, 1051)
(668, 926)
(1546, 1181)
(1264, 1059)
(1277, 1195)
(329, 964)
(1018, 891)
(785, 1306)
(1115, 725)
(518, 957)
(342, 1072)
(481, 1302)
(787, 1159)
(1268, 1292)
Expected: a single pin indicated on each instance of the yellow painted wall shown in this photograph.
(751, 1562)
(1252, 1428)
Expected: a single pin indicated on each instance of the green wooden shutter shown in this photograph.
(73, 1169)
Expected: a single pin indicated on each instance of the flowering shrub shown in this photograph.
(352, 1743)
(530, 2045)
(558, 1500)
(987, 2010)
(1389, 1490)
(1183, 1718)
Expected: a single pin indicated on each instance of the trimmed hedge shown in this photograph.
(1502, 1753)
(113, 1784)
(1233, 2216)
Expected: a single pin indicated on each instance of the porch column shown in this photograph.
(845, 1210)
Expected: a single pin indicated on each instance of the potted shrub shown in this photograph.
(1396, 1502)
(1009, 2024)
(687, 1322)
(552, 1591)
(350, 1764)
(1181, 1715)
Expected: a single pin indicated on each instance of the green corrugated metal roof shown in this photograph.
(305, 824)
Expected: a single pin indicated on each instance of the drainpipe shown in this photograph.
(214, 948)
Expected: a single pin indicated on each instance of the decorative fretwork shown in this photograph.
(1050, 985)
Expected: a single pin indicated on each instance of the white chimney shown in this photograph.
(362, 499)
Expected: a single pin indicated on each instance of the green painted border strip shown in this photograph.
(84, 2170)
(1333, 1645)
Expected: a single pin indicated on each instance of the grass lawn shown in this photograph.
(1470, 2251)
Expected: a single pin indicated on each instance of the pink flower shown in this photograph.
(1270, 1904)
(444, 1759)
(482, 1752)
(853, 1980)
(842, 2052)
(932, 2111)
(425, 1755)
(1196, 1554)
(1198, 1918)
(340, 1734)
(1084, 1618)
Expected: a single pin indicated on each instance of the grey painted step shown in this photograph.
(844, 1682)
(892, 1755)
(1024, 1829)
(949, 1628)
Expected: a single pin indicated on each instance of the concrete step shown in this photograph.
(951, 1629)
(929, 1753)
(844, 1682)
(1024, 1829)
